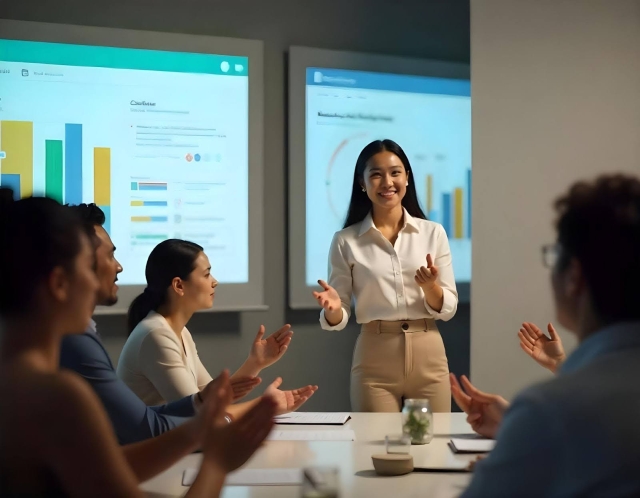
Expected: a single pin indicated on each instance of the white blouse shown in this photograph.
(158, 366)
(365, 265)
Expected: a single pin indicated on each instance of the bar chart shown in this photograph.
(455, 208)
(62, 171)
(149, 213)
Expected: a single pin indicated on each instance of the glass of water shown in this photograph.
(397, 444)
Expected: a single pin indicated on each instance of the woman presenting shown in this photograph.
(396, 265)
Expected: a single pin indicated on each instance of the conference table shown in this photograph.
(356, 475)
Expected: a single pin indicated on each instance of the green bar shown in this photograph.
(122, 58)
(148, 236)
(53, 169)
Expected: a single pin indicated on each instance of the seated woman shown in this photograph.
(56, 437)
(159, 361)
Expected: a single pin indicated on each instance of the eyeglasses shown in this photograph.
(550, 254)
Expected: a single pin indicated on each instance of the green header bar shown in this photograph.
(121, 58)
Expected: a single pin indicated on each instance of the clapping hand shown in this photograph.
(328, 298)
(265, 352)
(426, 276)
(548, 352)
(229, 446)
(243, 386)
(288, 401)
(239, 387)
(484, 411)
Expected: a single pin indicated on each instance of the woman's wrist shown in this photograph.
(251, 366)
(333, 317)
(431, 289)
(434, 296)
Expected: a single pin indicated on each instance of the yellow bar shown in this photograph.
(429, 194)
(102, 176)
(141, 218)
(458, 213)
(137, 203)
(16, 140)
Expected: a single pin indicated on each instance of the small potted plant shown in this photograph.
(417, 420)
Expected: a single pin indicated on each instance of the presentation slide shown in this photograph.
(430, 118)
(157, 139)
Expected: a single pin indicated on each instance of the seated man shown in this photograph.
(133, 420)
(582, 425)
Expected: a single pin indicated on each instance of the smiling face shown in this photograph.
(385, 180)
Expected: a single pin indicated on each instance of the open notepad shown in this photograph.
(313, 418)
(253, 477)
(471, 445)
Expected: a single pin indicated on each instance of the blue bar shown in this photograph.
(384, 81)
(152, 187)
(155, 203)
(11, 181)
(469, 203)
(107, 218)
(134, 186)
(446, 213)
(73, 163)
(159, 218)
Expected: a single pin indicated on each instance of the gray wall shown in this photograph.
(417, 28)
(556, 98)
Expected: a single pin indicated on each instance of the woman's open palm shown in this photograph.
(328, 298)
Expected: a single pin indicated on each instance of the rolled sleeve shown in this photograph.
(341, 279)
(339, 326)
(449, 306)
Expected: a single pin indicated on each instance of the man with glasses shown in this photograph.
(577, 434)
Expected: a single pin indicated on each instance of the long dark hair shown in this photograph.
(171, 258)
(360, 204)
(37, 235)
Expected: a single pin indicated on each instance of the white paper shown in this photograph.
(254, 477)
(188, 476)
(314, 418)
(337, 435)
(473, 445)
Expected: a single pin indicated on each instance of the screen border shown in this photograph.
(229, 297)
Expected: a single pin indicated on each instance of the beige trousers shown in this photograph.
(393, 361)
